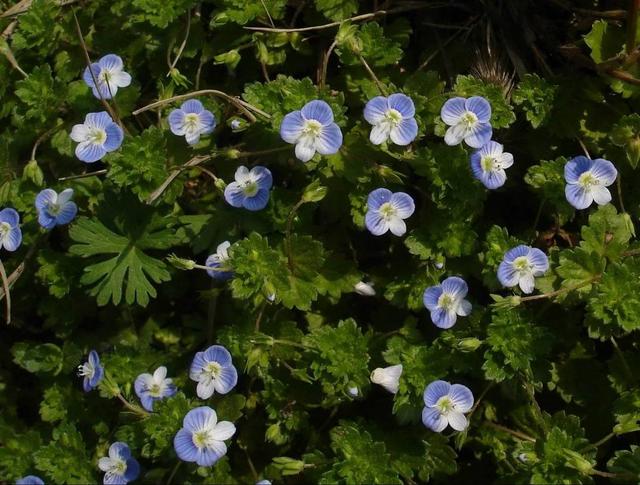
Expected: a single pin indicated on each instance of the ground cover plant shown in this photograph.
(331, 241)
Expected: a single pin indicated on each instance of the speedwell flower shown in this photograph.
(445, 404)
(364, 289)
(446, 302)
(96, 137)
(92, 371)
(201, 439)
(10, 232)
(213, 371)
(587, 181)
(191, 120)
(119, 467)
(219, 261)
(386, 211)
(468, 120)
(391, 117)
(387, 377)
(488, 164)
(55, 209)
(30, 480)
(109, 74)
(150, 388)
(251, 188)
(312, 130)
(521, 265)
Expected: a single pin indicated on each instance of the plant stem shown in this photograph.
(173, 472)
(599, 443)
(512, 432)
(561, 290)
(625, 364)
(83, 175)
(7, 293)
(198, 159)
(619, 185)
(325, 64)
(632, 25)
(373, 75)
(136, 409)
(182, 46)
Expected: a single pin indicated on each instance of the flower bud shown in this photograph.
(577, 461)
(314, 192)
(288, 466)
(469, 344)
(180, 263)
(364, 289)
(33, 172)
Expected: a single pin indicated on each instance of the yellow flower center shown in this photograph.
(522, 264)
(191, 121)
(489, 163)
(444, 404)
(97, 136)
(469, 118)
(201, 438)
(213, 369)
(393, 116)
(445, 301)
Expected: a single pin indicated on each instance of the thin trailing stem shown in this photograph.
(7, 293)
(625, 364)
(243, 106)
(325, 64)
(561, 291)
(42, 138)
(632, 25)
(619, 190)
(8, 53)
(479, 400)
(173, 472)
(182, 46)
(172, 176)
(373, 75)
(132, 407)
(83, 175)
(512, 432)
(598, 443)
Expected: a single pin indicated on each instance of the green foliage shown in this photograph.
(535, 95)
(65, 458)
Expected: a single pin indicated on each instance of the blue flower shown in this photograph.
(119, 467)
(587, 181)
(10, 232)
(55, 209)
(220, 261)
(150, 388)
(468, 120)
(92, 371)
(191, 120)
(445, 404)
(312, 130)
(488, 164)
(30, 480)
(391, 117)
(213, 371)
(251, 188)
(446, 302)
(109, 74)
(521, 265)
(387, 377)
(387, 210)
(201, 439)
(98, 136)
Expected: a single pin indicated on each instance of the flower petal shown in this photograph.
(329, 140)
(114, 137)
(89, 152)
(207, 122)
(479, 135)
(105, 463)
(88, 78)
(133, 470)
(67, 213)
(205, 388)
(258, 201)
(378, 197)
(112, 62)
(46, 221)
(462, 398)
(192, 106)
(375, 110)
(226, 380)
(223, 431)
(119, 450)
(576, 167)
(79, 133)
(98, 120)
(507, 275)
(443, 318)
(435, 391)
(291, 127)
(403, 203)
(464, 308)
(200, 418)
(234, 195)
(539, 260)
(176, 122)
(305, 149)
(455, 134)
(12, 239)
(184, 446)
(433, 420)
(405, 132)
(457, 421)
(46, 198)
(375, 223)
(397, 226)
(601, 195)
(516, 252)
(380, 133)
(494, 179)
(210, 455)
(217, 353)
(577, 196)
(317, 110)
(527, 283)
(455, 286)
(604, 171)
(452, 111)
(262, 176)
(506, 160)
(480, 107)
(403, 104)
(431, 296)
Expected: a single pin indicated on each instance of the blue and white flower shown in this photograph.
(92, 371)
(96, 137)
(109, 74)
(10, 232)
(263, 482)
(364, 289)
(587, 181)
(219, 261)
(191, 120)
(312, 130)
(468, 120)
(250, 189)
(387, 211)
(151, 388)
(213, 371)
(446, 302)
(119, 467)
(30, 480)
(391, 117)
(488, 164)
(446, 404)
(55, 209)
(201, 439)
(388, 377)
(521, 265)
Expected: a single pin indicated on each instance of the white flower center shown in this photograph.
(191, 121)
(250, 188)
(387, 211)
(469, 119)
(393, 116)
(5, 228)
(489, 163)
(587, 180)
(446, 301)
(118, 466)
(97, 136)
(86, 370)
(155, 390)
(53, 209)
(312, 128)
(444, 405)
(201, 438)
(213, 369)
(522, 265)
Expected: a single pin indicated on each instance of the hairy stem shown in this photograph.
(561, 291)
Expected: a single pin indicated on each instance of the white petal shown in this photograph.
(457, 421)
(223, 431)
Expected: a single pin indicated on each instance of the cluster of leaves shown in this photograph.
(555, 380)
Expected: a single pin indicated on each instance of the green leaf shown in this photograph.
(65, 458)
(38, 358)
(242, 12)
(337, 9)
(607, 234)
(161, 13)
(372, 43)
(615, 300)
(626, 464)
(40, 94)
(535, 95)
(161, 426)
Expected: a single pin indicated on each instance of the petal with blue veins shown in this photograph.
(403, 104)
(480, 107)
(376, 109)
(378, 197)
(462, 398)
(291, 127)
(435, 391)
(405, 132)
(329, 140)
(318, 110)
(452, 111)
(434, 420)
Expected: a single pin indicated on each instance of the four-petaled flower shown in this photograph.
(119, 467)
(521, 265)
(10, 232)
(96, 137)
(391, 117)
(386, 211)
(109, 74)
(150, 388)
(312, 130)
(446, 302)
(488, 164)
(219, 261)
(55, 209)
(92, 371)
(30, 480)
(445, 404)
(213, 371)
(587, 181)
(201, 439)
(250, 189)
(191, 120)
(468, 120)
(387, 377)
